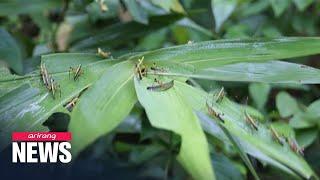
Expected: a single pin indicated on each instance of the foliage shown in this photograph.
(153, 71)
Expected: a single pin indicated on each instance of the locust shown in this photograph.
(141, 69)
(103, 54)
(53, 87)
(251, 121)
(69, 106)
(161, 86)
(220, 95)
(276, 136)
(76, 71)
(44, 74)
(294, 146)
(212, 112)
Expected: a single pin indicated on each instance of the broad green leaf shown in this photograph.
(121, 33)
(241, 152)
(137, 12)
(103, 106)
(221, 52)
(259, 144)
(28, 103)
(18, 112)
(306, 137)
(279, 6)
(168, 5)
(300, 121)
(303, 4)
(14, 7)
(168, 110)
(186, 22)
(253, 8)
(10, 51)
(265, 72)
(259, 93)
(224, 168)
(286, 104)
(313, 112)
(222, 9)
(95, 12)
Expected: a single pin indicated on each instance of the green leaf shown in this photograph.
(137, 12)
(241, 152)
(103, 106)
(259, 93)
(265, 72)
(279, 6)
(10, 51)
(28, 103)
(313, 112)
(121, 33)
(286, 104)
(259, 144)
(168, 5)
(306, 137)
(299, 121)
(224, 168)
(221, 52)
(303, 4)
(14, 7)
(169, 110)
(222, 9)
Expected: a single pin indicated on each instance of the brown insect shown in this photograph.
(161, 86)
(44, 74)
(103, 53)
(251, 121)
(54, 87)
(76, 72)
(69, 106)
(294, 146)
(276, 136)
(141, 69)
(213, 113)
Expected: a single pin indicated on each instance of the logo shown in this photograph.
(41, 147)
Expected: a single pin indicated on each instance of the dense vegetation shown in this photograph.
(169, 89)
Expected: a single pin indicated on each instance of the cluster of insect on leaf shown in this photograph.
(253, 123)
(141, 70)
(53, 87)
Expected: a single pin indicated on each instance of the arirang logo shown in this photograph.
(41, 147)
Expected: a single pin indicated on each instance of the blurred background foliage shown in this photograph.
(29, 29)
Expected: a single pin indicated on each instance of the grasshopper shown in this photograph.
(294, 146)
(53, 87)
(69, 106)
(219, 96)
(161, 86)
(213, 113)
(103, 54)
(76, 71)
(276, 136)
(44, 74)
(251, 121)
(141, 69)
